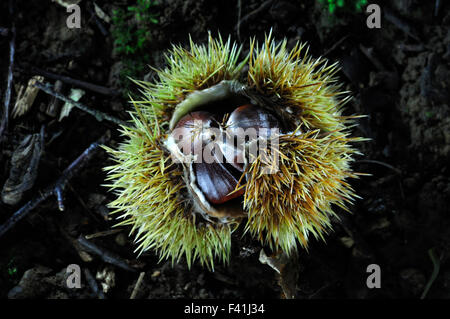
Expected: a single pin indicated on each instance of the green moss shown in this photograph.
(132, 37)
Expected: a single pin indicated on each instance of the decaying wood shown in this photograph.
(26, 97)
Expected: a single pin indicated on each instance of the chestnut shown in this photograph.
(181, 201)
(200, 134)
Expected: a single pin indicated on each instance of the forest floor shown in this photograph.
(398, 76)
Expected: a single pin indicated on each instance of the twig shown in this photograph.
(100, 116)
(321, 289)
(79, 83)
(105, 255)
(238, 26)
(336, 45)
(59, 198)
(436, 267)
(262, 7)
(12, 49)
(103, 233)
(382, 164)
(137, 286)
(401, 24)
(97, 21)
(55, 188)
(368, 52)
(93, 284)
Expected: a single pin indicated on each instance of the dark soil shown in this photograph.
(401, 84)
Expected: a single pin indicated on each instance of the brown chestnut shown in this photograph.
(219, 148)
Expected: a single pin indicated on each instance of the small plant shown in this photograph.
(131, 33)
(12, 269)
(344, 5)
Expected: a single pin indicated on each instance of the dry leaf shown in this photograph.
(25, 99)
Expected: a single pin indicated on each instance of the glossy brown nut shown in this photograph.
(216, 182)
(218, 178)
(189, 132)
(245, 123)
(250, 116)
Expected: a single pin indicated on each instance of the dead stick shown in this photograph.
(262, 7)
(79, 83)
(100, 116)
(12, 49)
(137, 286)
(103, 233)
(104, 254)
(380, 163)
(369, 53)
(97, 21)
(238, 26)
(336, 45)
(93, 284)
(401, 24)
(66, 175)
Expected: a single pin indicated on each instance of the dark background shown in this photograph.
(398, 76)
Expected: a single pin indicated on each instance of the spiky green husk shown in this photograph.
(187, 71)
(287, 207)
(283, 208)
(303, 83)
(149, 191)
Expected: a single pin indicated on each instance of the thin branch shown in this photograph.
(238, 26)
(262, 7)
(59, 197)
(436, 266)
(401, 24)
(104, 254)
(137, 286)
(381, 163)
(100, 116)
(103, 233)
(55, 188)
(336, 45)
(79, 83)
(97, 21)
(12, 50)
(368, 52)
